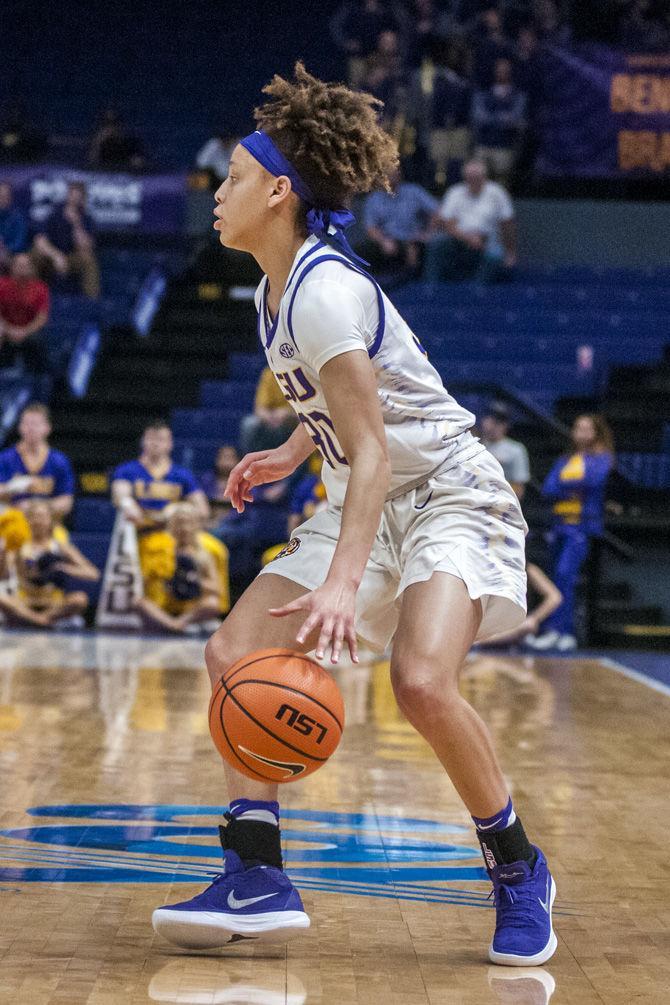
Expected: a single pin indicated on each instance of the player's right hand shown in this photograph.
(254, 469)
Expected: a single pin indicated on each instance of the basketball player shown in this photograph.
(422, 542)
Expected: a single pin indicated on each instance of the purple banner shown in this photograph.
(141, 204)
(605, 114)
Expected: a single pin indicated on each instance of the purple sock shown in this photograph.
(499, 821)
(255, 809)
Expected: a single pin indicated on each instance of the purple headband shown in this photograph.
(262, 149)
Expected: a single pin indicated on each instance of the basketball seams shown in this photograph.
(279, 739)
(293, 690)
(261, 659)
(223, 729)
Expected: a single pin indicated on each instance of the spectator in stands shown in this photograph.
(213, 483)
(34, 470)
(24, 311)
(442, 102)
(397, 225)
(576, 488)
(510, 454)
(66, 243)
(20, 139)
(273, 418)
(181, 585)
(309, 495)
(43, 567)
(13, 226)
(544, 598)
(489, 45)
(425, 25)
(214, 157)
(386, 77)
(355, 28)
(144, 489)
(498, 121)
(480, 241)
(114, 147)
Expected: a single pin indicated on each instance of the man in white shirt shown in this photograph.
(476, 231)
(510, 454)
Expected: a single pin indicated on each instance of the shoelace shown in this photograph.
(513, 904)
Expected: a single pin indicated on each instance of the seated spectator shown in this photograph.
(273, 420)
(43, 566)
(20, 140)
(308, 496)
(24, 311)
(66, 243)
(181, 582)
(387, 79)
(444, 106)
(478, 218)
(214, 157)
(143, 489)
(498, 121)
(397, 225)
(355, 28)
(114, 147)
(34, 470)
(13, 226)
(425, 25)
(213, 483)
(544, 598)
(489, 44)
(510, 454)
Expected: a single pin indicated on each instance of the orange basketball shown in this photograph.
(276, 715)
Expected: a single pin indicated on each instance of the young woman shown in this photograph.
(42, 567)
(576, 487)
(422, 542)
(190, 593)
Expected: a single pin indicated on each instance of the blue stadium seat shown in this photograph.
(226, 394)
(93, 516)
(220, 425)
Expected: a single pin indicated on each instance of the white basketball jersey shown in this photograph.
(331, 306)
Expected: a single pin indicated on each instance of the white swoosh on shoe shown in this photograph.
(234, 904)
(545, 904)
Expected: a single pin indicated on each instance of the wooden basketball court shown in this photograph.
(110, 791)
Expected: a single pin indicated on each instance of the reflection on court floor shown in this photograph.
(111, 793)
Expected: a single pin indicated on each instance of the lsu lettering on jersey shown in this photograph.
(331, 306)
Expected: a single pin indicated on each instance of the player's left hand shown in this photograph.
(331, 608)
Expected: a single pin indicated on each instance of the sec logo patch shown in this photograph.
(286, 350)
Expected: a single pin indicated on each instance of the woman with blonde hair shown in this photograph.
(576, 488)
(42, 567)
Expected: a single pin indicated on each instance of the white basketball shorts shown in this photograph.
(465, 521)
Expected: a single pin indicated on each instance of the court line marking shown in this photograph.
(651, 682)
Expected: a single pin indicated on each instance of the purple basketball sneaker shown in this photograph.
(524, 935)
(259, 903)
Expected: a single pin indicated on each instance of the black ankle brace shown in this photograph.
(256, 843)
(507, 846)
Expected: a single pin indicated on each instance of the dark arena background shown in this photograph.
(525, 242)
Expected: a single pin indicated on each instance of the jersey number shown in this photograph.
(322, 432)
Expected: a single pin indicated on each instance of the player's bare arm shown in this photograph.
(350, 388)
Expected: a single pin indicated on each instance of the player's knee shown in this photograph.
(220, 653)
(417, 688)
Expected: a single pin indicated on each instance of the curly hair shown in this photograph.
(331, 134)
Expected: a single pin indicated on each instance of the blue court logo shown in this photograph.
(354, 853)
